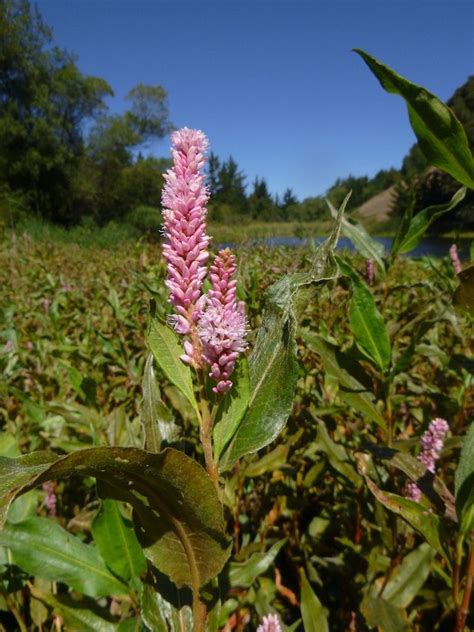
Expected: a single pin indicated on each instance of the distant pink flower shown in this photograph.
(431, 442)
(270, 623)
(46, 304)
(453, 253)
(66, 287)
(184, 201)
(369, 271)
(8, 346)
(222, 325)
(51, 499)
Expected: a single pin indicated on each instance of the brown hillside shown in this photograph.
(377, 209)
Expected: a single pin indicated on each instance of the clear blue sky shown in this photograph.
(274, 83)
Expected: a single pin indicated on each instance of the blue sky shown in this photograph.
(274, 83)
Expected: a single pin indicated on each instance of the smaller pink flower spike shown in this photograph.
(222, 325)
(270, 623)
(453, 253)
(431, 442)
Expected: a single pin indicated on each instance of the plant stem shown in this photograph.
(15, 612)
(206, 437)
(463, 610)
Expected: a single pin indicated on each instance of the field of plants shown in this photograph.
(276, 439)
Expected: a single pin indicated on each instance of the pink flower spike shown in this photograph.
(270, 623)
(431, 442)
(453, 253)
(222, 325)
(184, 202)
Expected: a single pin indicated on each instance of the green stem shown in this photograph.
(15, 612)
(206, 437)
(463, 610)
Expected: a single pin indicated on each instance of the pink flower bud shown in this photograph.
(431, 442)
(270, 623)
(453, 253)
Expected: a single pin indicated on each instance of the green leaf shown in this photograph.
(361, 240)
(337, 455)
(273, 460)
(158, 423)
(441, 136)
(312, 611)
(117, 543)
(178, 514)
(159, 615)
(464, 295)
(409, 577)
(273, 366)
(79, 615)
(166, 350)
(245, 573)
(419, 517)
(432, 486)
(383, 615)
(351, 390)
(235, 404)
(41, 547)
(464, 483)
(420, 223)
(367, 322)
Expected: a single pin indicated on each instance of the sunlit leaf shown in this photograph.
(166, 350)
(404, 585)
(420, 223)
(43, 548)
(313, 614)
(117, 543)
(245, 573)
(367, 322)
(441, 136)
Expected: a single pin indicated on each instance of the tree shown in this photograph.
(230, 188)
(110, 150)
(261, 204)
(44, 101)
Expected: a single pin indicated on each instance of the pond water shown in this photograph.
(431, 246)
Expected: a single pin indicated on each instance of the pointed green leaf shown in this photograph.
(41, 547)
(312, 611)
(367, 322)
(234, 407)
(158, 423)
(420, 223)
(179, 514)
(117, 543)
(245, 573)
(464, 483)
(409, 577)
(79, 615)
(166, 349)
(419, 517)
(351, 390)
(383, 615)
(441, 136)
(336, 454)
(361, 240)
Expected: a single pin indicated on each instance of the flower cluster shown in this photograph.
(453, 253)
(214, 323)
(222, 325)
(431, 442)
(270, 623)
(369, 271)
(184, 201)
